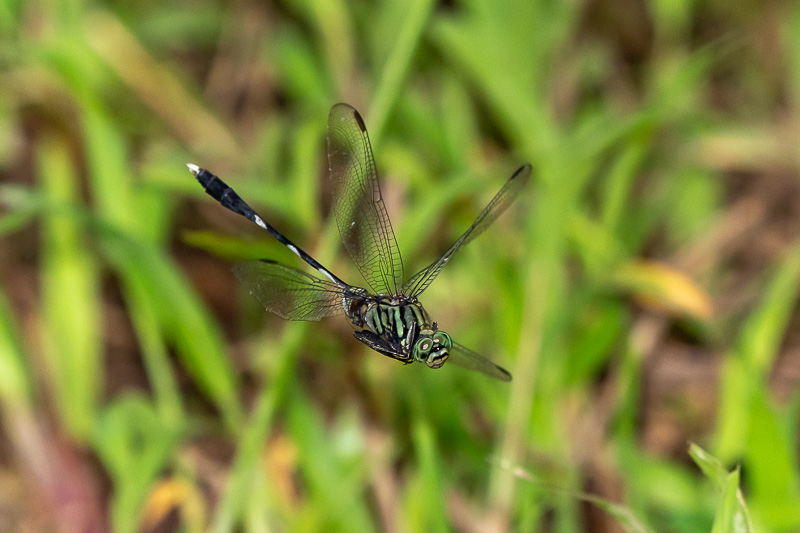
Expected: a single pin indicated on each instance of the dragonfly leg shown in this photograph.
(381, 346)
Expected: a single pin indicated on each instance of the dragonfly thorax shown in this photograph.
(397, 326)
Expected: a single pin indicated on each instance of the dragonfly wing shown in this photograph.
(357, 202)
(466, 358)
(420, 281)
(289, 293)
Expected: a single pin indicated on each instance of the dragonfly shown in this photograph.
(387, 316)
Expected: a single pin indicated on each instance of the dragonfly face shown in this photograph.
(385, 313)
(432, 347)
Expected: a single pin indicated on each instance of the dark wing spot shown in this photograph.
(359, 120)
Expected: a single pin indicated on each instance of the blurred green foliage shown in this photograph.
(630, 115)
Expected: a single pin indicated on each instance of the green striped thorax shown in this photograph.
(432, 347)
(402, 328)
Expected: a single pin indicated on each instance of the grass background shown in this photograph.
(642, 290)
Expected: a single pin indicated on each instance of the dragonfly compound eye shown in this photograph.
(443, 340)
(440, 350)
(422, 349)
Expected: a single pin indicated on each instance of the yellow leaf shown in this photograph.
(172, 494)
(665, 289)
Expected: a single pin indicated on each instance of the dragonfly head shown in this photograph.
(432, 347)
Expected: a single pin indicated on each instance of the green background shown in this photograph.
(641, 289)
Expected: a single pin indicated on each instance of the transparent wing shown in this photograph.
(289, 293)
(466, 358)
(420, 281)
(357, 202)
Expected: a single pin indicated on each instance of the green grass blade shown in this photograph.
(16, 387)
(745, 369)
(732, 513)
(416, 15)
(135, 443)
(70, 299)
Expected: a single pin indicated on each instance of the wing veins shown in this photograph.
(496, 206)
(462, 356)
(359, 209)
